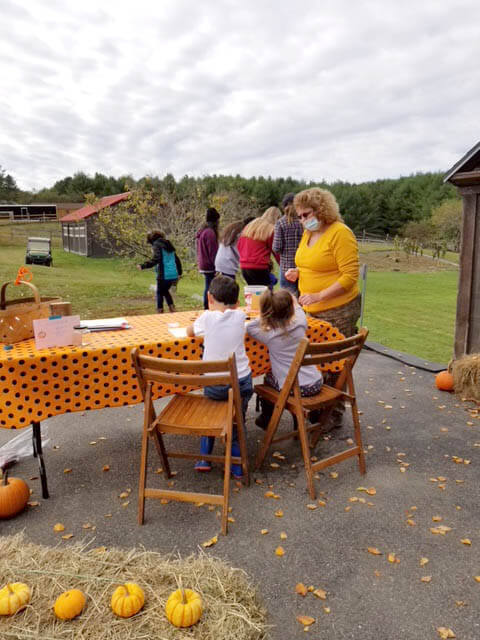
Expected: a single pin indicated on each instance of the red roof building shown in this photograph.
(78, 227)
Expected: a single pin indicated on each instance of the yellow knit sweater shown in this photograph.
(333, 258)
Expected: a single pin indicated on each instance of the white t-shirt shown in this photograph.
(224, 333)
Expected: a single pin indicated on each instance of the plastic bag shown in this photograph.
(20, 446)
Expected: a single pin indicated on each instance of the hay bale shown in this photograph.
(466, 376)
(231, 605)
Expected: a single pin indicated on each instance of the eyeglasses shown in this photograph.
(301, 216)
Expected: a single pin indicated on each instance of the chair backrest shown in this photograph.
(346, 351)
(187, 373)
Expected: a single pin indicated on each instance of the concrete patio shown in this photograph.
(412, 432)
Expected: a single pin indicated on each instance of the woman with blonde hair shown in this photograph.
(286, 238)
(326, 265)
(255, 247)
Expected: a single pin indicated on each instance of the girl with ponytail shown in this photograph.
(281, 325)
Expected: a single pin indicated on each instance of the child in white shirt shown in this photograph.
(281, 326)
(223, 328)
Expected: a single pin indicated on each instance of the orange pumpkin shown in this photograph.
(14, 495)
(444, 381)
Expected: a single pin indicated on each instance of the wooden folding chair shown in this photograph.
(289, 398)
(190, 414)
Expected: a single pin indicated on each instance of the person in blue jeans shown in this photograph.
(223, 330)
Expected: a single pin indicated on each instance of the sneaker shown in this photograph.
(202, 466)
(237, 471)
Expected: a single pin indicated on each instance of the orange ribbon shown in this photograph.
(24, 274)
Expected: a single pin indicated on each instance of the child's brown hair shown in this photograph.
(276, 309)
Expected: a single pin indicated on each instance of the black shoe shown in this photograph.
(262, 421)
(314, 416)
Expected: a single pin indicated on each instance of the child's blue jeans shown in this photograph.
(220, 392)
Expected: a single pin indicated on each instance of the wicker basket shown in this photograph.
(17, 316)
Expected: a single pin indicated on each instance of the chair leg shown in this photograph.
(267, 441)
(305, 453)
(143, 476)
(226, 481)
(162, 452)
(358, 436)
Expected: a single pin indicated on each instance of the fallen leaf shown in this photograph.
(126, 503)
(466, 541)
(67, 536)
(211, 542)
(445, 633)
(327, 609)
(100, 549)
(280, 551)
(279, 513)
(123, 495)
(67, 471)
(305, 620)
(34, 503)
(411, 522)
(283, 535)
(58, 527)
(312, 507)
(391, 558)
(87, 525)
(374, 551)
(268, 494)
(423, 561)
(274, 465)
(322, 503)
(301, 589)
(231, 519)
(426, 579)
(93, 442)
(106, 467)
(371, 491)
(264, 532)
(333, 474)
(476, 578)
(437, 518)
(320, 593)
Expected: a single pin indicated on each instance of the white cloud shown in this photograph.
(333, 90)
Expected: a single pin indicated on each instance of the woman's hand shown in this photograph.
(291, 275)
(309, 298)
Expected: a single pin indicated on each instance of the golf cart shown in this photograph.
(39, 251)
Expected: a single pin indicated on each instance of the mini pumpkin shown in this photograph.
(14, 495)
(184, 608)
(127, 600)
(69, 604)
(13, 597)
(444, 381)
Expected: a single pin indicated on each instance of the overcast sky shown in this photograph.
(334, 90)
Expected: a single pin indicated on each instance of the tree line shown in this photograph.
(384, 206)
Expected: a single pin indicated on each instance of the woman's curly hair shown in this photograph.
(323, 202)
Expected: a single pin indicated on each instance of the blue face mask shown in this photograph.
(312, 224)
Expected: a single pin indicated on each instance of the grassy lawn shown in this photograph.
(413, 312)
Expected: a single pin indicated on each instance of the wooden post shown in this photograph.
(465, 175)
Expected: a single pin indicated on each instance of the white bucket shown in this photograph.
(252, 296)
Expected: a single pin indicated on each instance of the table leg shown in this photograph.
(38, 453)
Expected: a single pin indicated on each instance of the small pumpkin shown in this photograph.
(14, 495)
(184, 608)
(13, 597)
(69, 604)
(444, 381)
(127, 600)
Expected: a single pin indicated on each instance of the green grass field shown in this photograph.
(411, 312)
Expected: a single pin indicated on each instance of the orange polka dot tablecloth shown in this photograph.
(35, 385)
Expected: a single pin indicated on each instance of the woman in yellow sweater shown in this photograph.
(327, 262)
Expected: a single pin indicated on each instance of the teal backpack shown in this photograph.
(169, 266)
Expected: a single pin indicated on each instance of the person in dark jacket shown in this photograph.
(167, 265)
(207, 245)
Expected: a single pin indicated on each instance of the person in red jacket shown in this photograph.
(255, 248)
(207, 245)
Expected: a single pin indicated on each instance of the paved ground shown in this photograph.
(405, 422)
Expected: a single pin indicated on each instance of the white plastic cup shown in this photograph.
(252, 295)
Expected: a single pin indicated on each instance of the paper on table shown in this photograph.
(56, 332)
(178, 332)
(104, 322)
